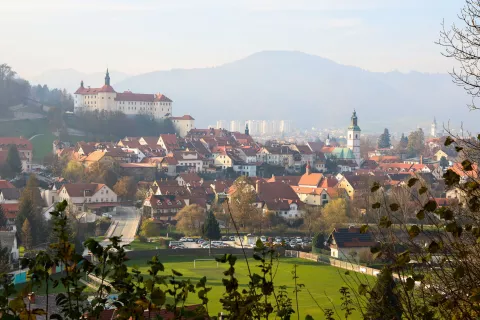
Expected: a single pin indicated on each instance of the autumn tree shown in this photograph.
(190, 220)
(242, 203)
(125, 188)
(14, 163)
(416, 143)
(383, 300)
(334, 215)
(311, 219)
(103, 172)
(74, 171)
(384, 140)
(27, 238)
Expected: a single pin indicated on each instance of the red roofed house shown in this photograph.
(183, 124)
(106, 98)
(163, 207)
(79, 194)
(10, 210)
(24, 147)
(168, 142)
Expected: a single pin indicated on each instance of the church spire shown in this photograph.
(247, 131)
(81, 84)
(107, 78)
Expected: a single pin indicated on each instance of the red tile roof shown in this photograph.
(312, 179)
(10, 209)
(5, 184)
(185, 117)
(82, 189)
(143, 97)
(21, 143)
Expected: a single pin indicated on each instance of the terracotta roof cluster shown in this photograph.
(21, 143)
(10, 209)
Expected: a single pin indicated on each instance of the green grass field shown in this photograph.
(322, 281)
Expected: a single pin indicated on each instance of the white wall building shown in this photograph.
(157, 106)
(353, 137)
(222, 124)
(78, 194)
(183, 124)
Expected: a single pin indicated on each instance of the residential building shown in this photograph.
(163, 207)
(183, 124)
(24, 147)
(80, 194)
(350, 244)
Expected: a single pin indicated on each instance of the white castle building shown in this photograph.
(106, 98)
(156, 106)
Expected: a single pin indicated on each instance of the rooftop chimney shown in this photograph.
(307, 168)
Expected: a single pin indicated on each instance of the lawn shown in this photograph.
(137, 245)
(322, 281)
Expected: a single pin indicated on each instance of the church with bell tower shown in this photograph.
(353, 137)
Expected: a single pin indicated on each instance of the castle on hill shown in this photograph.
(155, 105)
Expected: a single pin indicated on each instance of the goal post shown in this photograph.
(195, 262)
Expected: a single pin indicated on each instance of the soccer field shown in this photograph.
(321, 280)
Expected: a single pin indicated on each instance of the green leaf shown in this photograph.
(403, 258)
(458, 149)
(421, 214)
(459, 272)
(449, 141)
(451, 178)
(451, 227)
(412, 181)
(430, 206)
(433, 247)
(376, 205)
(394, 207)
(364, 229)
(467, 165)
(375, 186)
(413, 231)
(410, 284)
(158, 297)
(176, 273)
(418, 277)
(308, 317)
(362, 289)
(385, 222)
(422, 190)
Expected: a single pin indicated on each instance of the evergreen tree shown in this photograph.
(443, 162)
(331, 164)
(384, 140)
(318, 242)
(27, 239)
(211, 228)
(5, 265)
(3, 219)
(416, 143)
(13, 160)
(384, 302)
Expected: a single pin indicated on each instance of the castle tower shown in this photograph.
(107, 78)
(433, 129)
(353, 138)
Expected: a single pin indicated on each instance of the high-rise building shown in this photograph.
(237, 126)
(286, 126)
(222, 124)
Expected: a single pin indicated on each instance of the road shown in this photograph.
(126, 220)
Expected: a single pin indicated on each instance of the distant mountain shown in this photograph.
(69, 79)
(310, 90)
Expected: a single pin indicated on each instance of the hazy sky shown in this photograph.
(137, 36)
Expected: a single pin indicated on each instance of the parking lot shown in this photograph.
(234, 242)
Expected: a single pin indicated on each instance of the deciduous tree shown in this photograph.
(242, 203)
(27, 239)
(74, 171)
(416, 143)
(190, 220)
(334, 215)
(125, 188)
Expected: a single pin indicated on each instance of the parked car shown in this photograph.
(278, 239)
(190, 240)
(183, 239)
(107, 215)
(200, 241)
(232, 238)
(224, 238)
(176, 245)
(263, 239)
